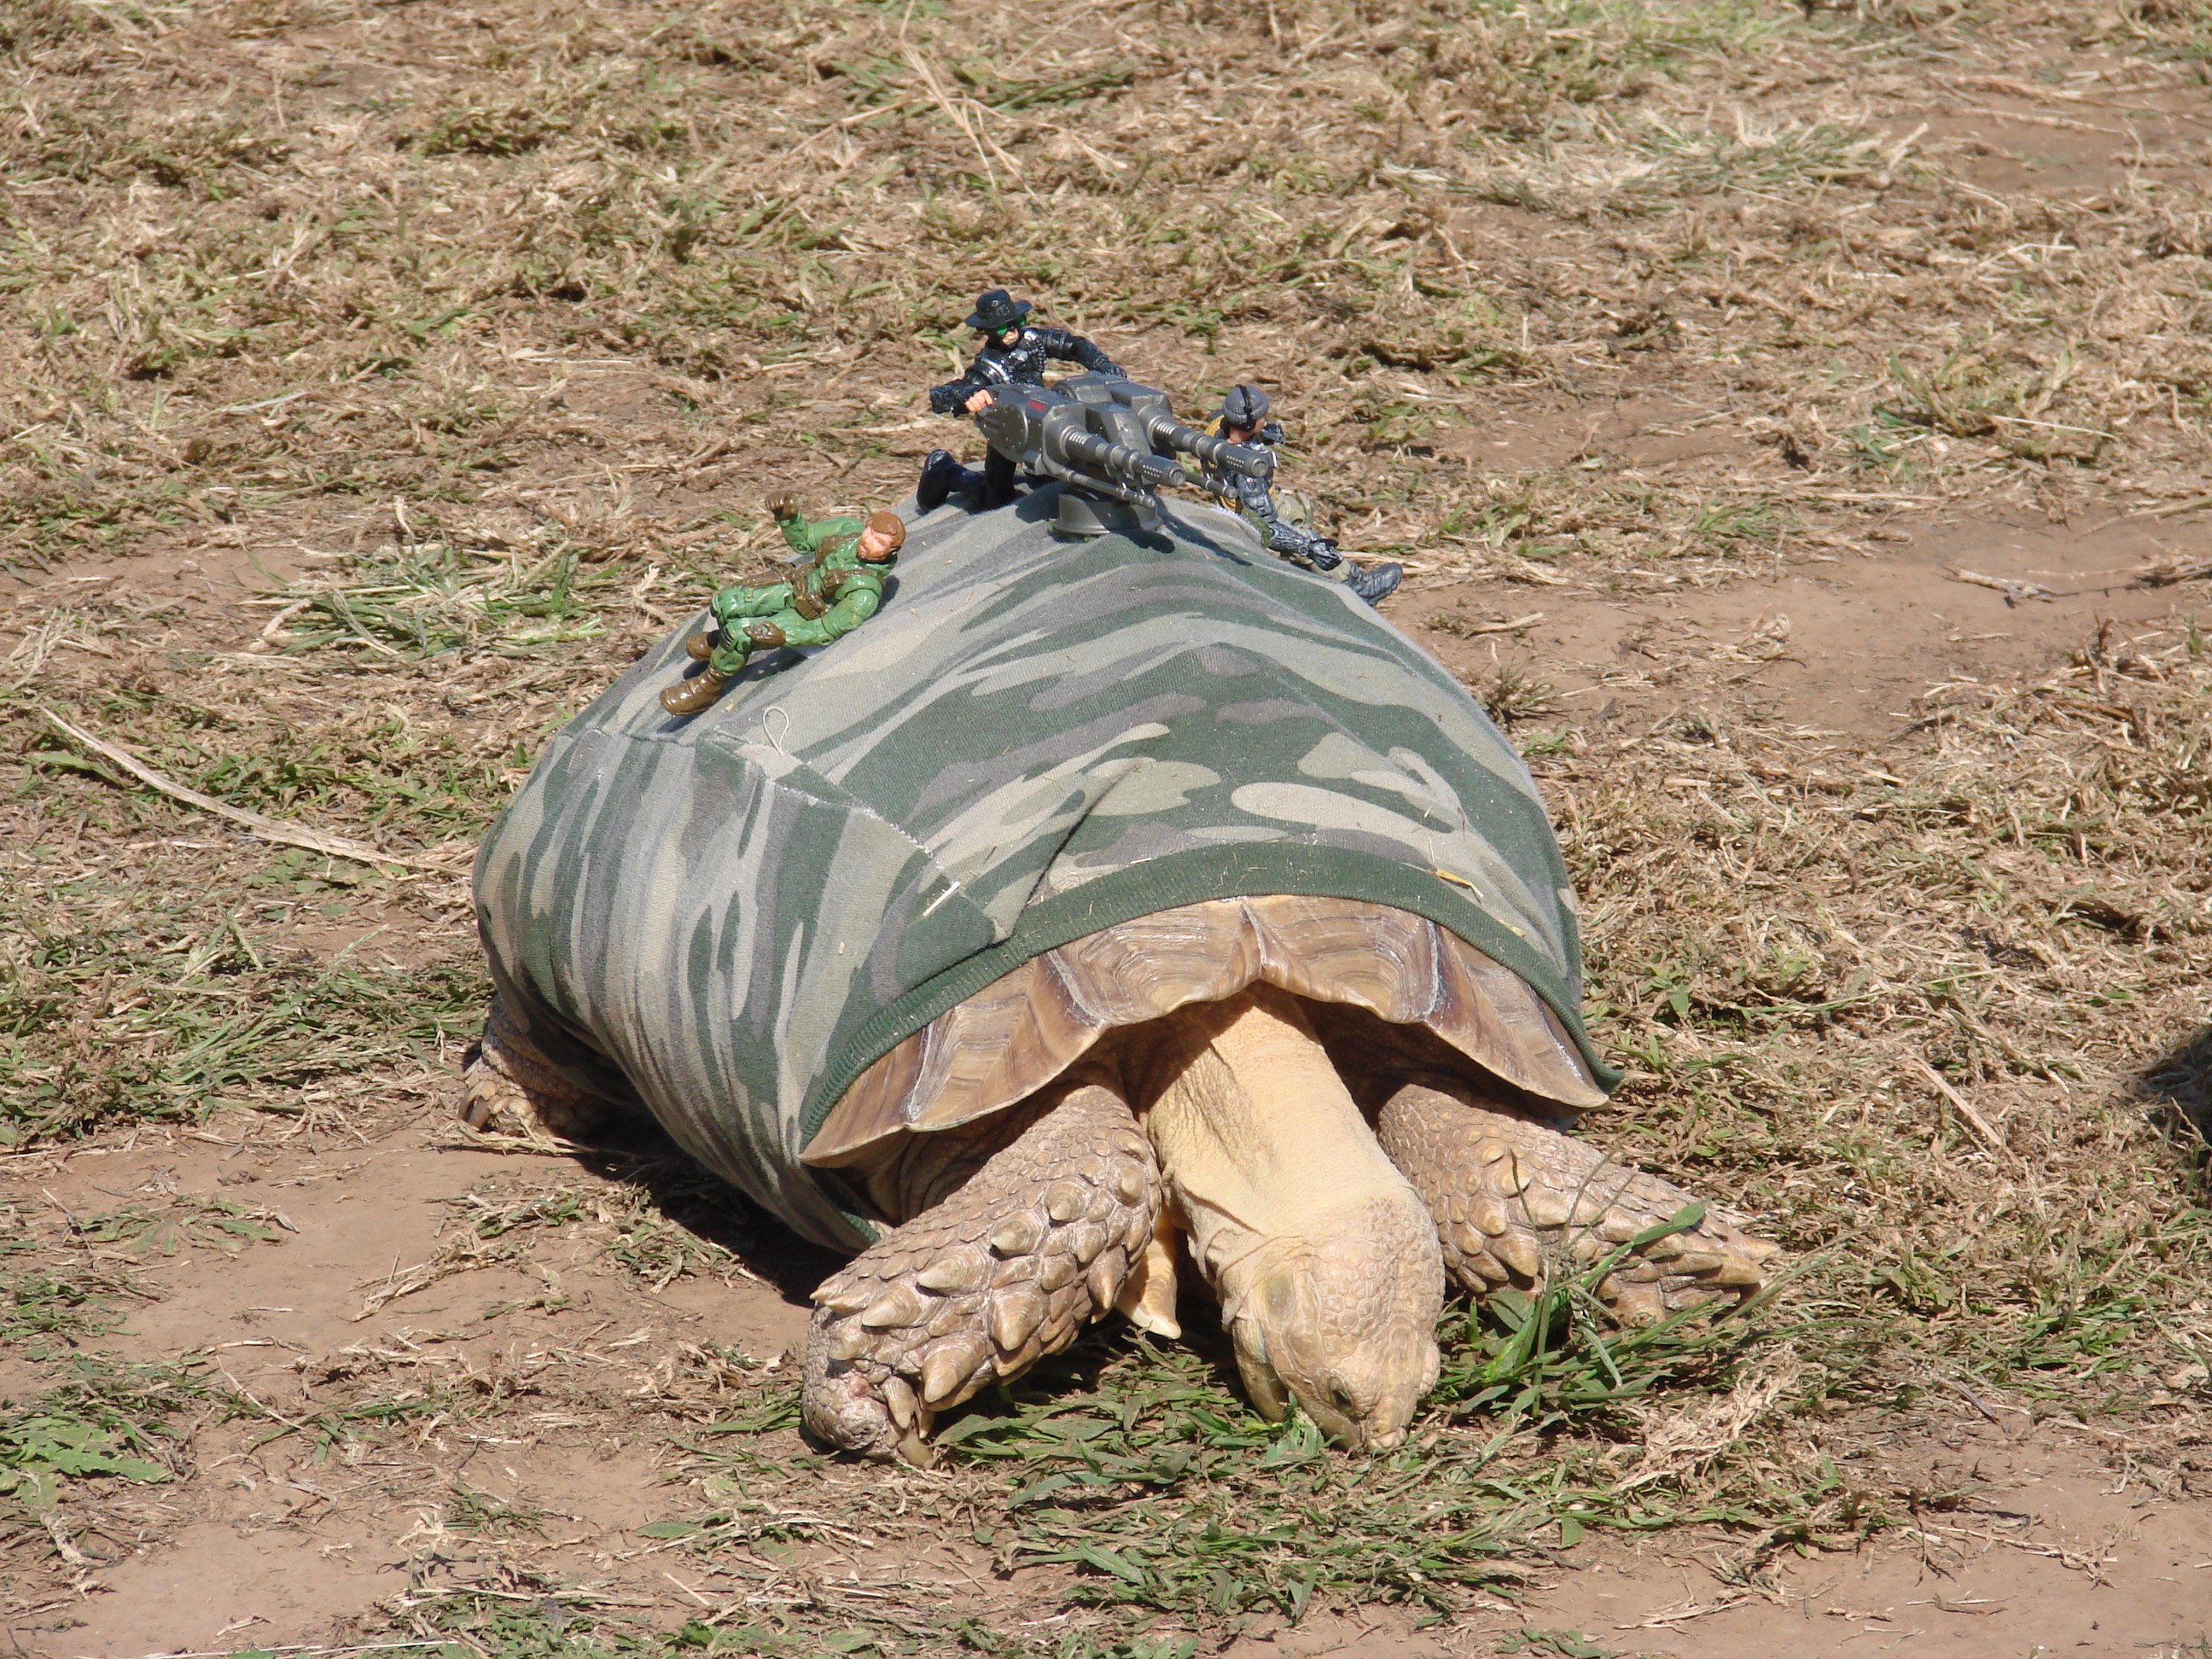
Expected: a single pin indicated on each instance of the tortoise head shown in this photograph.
(1341, 1318)
(1325, 1259)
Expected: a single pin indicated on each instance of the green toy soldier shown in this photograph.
(825, 601)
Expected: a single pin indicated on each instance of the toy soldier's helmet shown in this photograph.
(996, 309)
(1245, 407)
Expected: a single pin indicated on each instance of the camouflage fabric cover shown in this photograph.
(730, 917)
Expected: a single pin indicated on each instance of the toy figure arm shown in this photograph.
(856, 603)
(1317, 552)
(799, 535)
(811, 539)
(1257, 503)
(952, 397)
(1074, 349)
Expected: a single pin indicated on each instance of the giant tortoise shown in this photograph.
(1104, 913)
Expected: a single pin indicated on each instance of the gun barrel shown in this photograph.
(1136, 495)
(1216, 454)
(1118, 460)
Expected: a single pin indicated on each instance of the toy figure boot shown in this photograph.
(1375, 582)
(700, 647)
(941, 476)
(697, 693)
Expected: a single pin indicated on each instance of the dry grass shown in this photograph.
(490, 324)
(1940, 1007)
(294, 254)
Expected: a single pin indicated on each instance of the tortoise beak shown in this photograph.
(1269, 1396)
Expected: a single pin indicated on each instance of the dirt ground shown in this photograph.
(283, 1538)
(1792, 419)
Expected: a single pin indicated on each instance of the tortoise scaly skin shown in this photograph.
(1513, 1197)
(1024, 1231)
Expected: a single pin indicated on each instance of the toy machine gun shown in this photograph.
(1113, 443)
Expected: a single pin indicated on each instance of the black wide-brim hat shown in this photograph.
(995, 309)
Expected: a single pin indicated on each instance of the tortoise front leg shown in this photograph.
(1014, 1253)
(1508, 1194)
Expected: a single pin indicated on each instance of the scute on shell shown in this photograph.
(1027, 1027)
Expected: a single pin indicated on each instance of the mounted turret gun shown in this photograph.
(1114, 443)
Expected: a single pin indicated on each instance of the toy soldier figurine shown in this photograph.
(824, 601)
(1013, 354)
(1287, 529)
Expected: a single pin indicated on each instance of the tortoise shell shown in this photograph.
(1049, 788)
(1014, 1036)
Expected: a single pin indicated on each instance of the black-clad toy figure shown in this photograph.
(1285, 520)
(1013, 352)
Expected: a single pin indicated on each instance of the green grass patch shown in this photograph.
(432, 598)
(555, 1624)
(1140, 1469)
(186, 1221)
(340, 1427)
(42, 1313)
(107, 1421)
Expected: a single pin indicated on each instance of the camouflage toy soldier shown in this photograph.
(1287, 529)
(1013, 354)
(825, 601)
